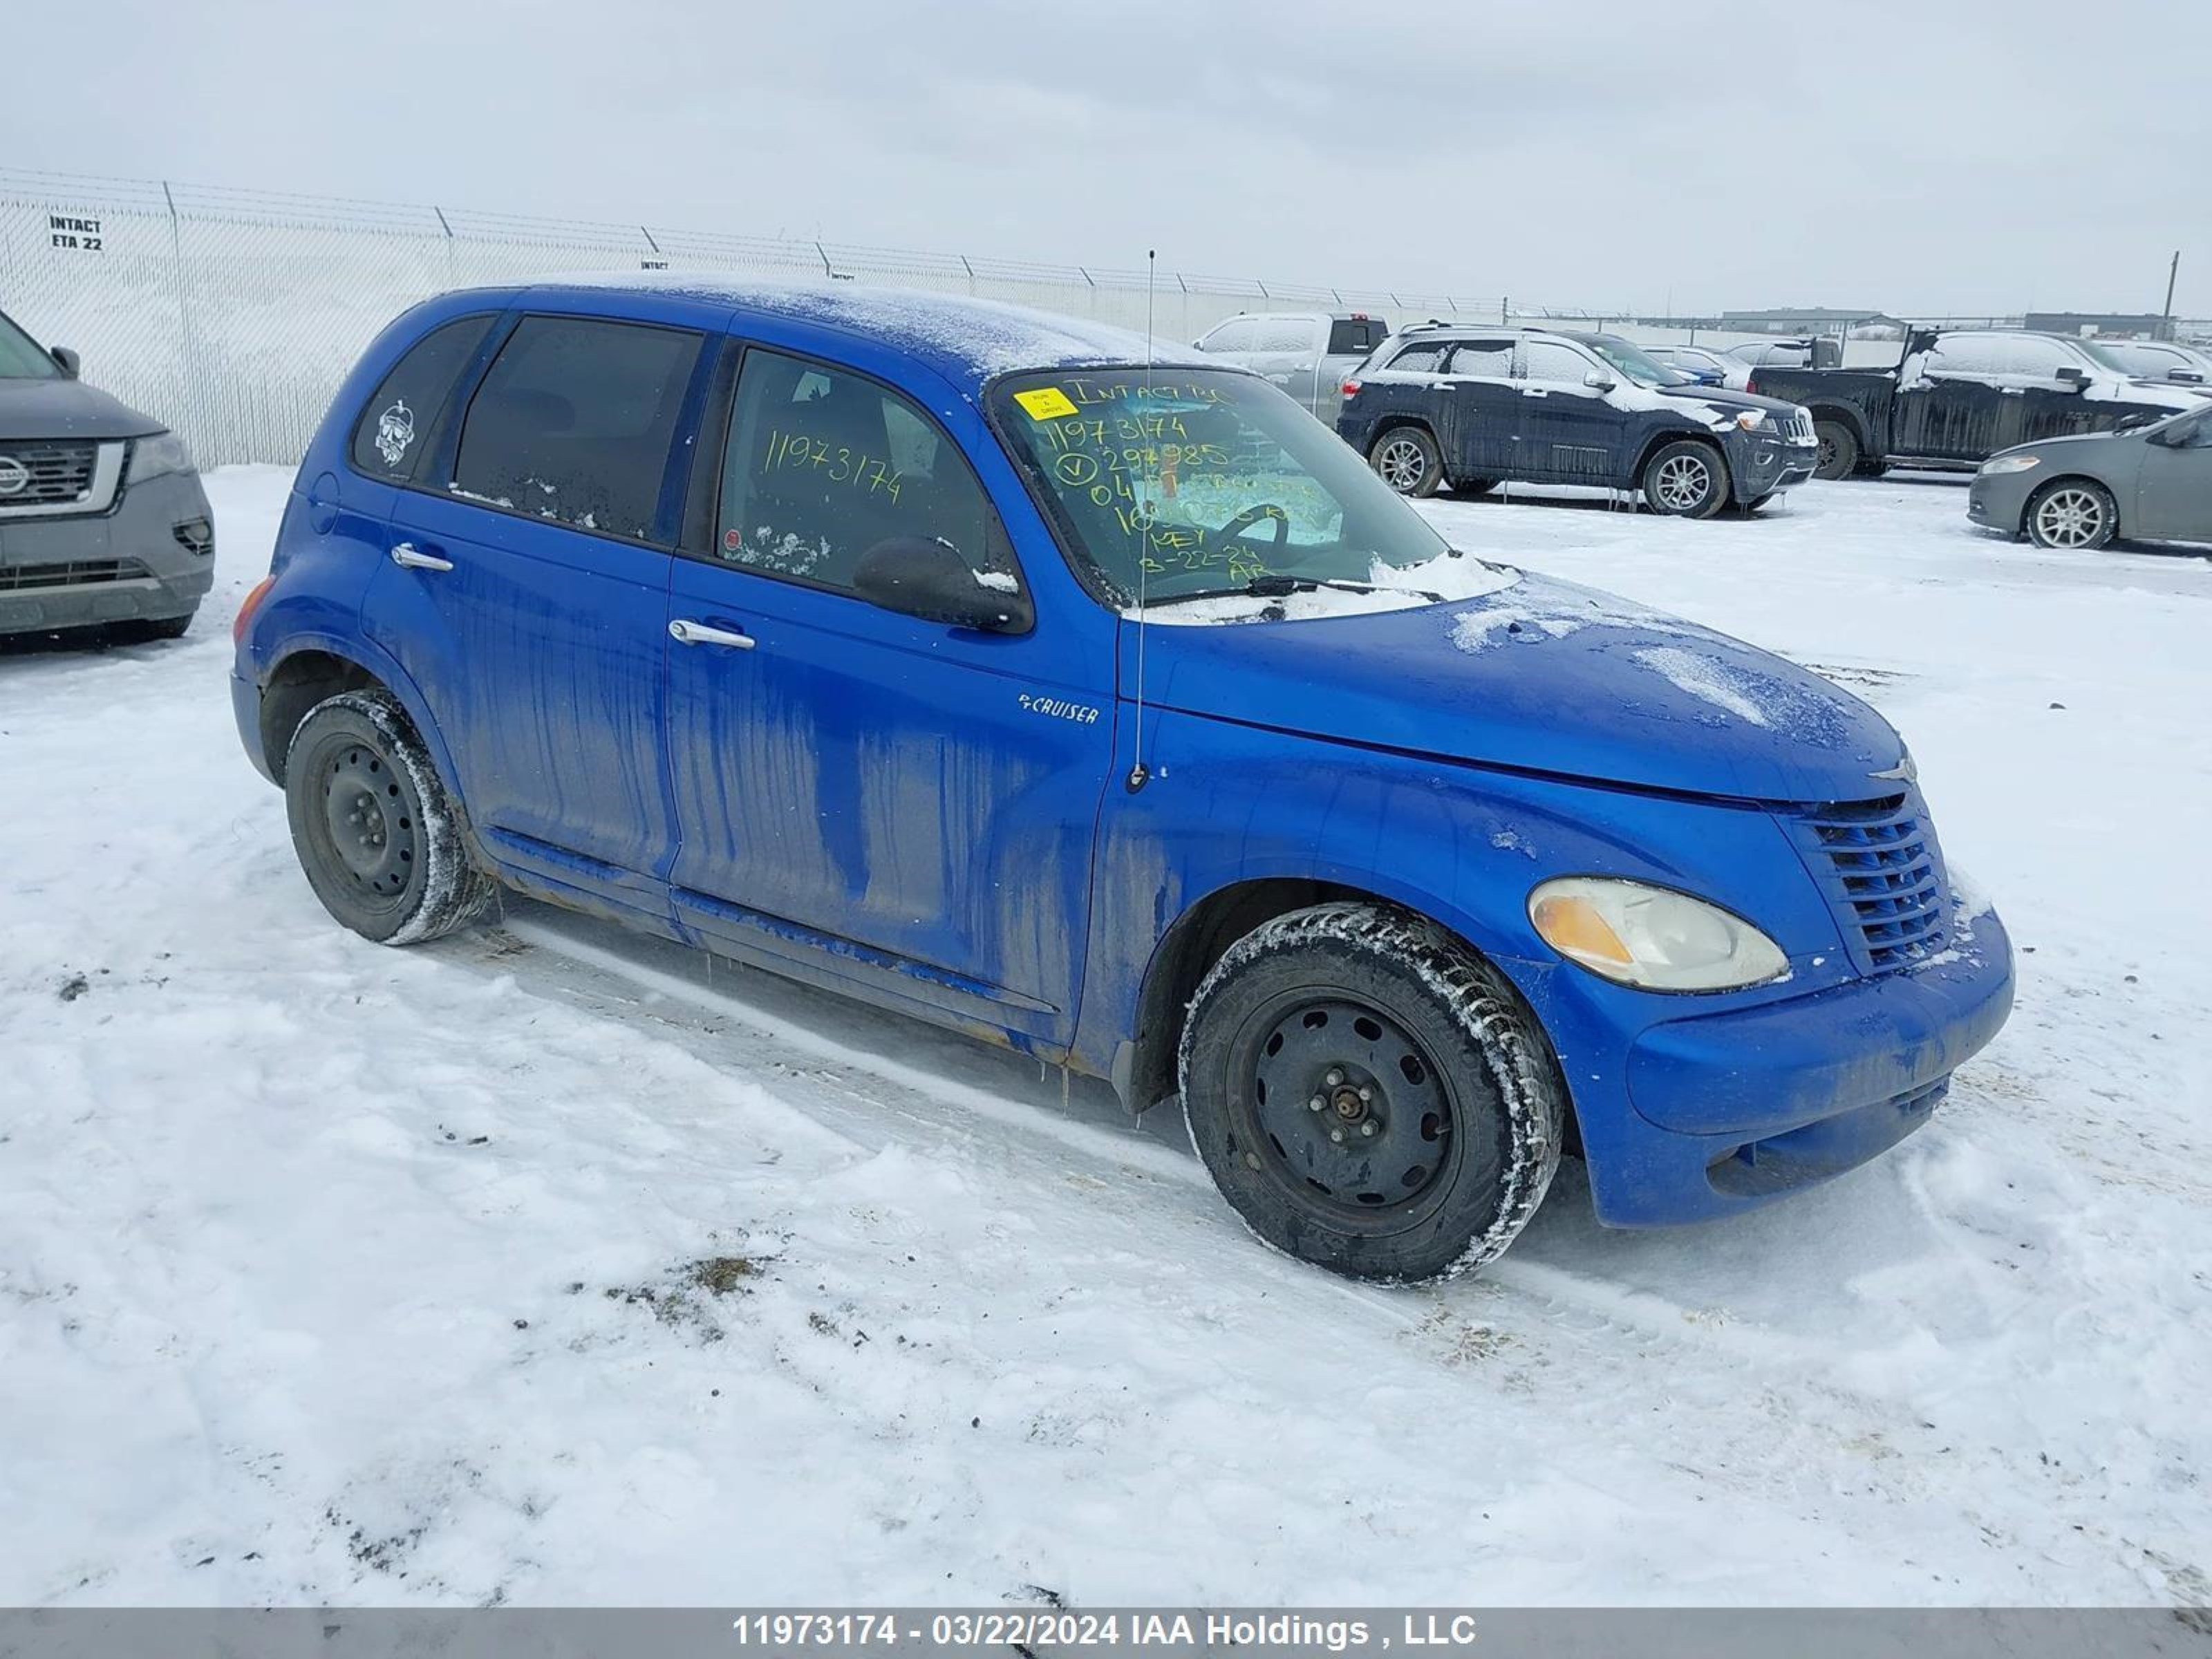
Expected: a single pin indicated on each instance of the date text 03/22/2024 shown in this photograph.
(1190, 1632)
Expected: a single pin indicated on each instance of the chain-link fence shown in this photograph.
(233, 314)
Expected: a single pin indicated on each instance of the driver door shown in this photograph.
(867, 796)
(2173, 492)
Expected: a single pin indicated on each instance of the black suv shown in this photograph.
(1457, 407)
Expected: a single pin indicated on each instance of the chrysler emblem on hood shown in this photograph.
(1903, 772)
(14, 476)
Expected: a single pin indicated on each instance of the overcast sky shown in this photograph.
(1929, 157)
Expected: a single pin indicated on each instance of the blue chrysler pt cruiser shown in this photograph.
(977, 663)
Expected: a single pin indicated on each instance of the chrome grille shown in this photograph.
(1797, 426)
(76, 572)
(58, 473)
(1879, 865)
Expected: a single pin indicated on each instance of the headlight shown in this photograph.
(2011, 462)
(157, 457)
(1751, 419)
(1652, 938)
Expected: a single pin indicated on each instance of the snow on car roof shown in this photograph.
(957, 334)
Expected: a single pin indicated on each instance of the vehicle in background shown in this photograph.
(1307, 354)
(2160, 360)
(1817, 351)
(2152, 483)
(102, 521)
(1463, 407)
(1958, 397)
(810, 627)
(1703, 365)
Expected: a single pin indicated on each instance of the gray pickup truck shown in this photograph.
(103, 523)
(1957, 397)
(1308, 354)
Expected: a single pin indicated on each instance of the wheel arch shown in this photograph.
(1666, 436)
(1851, 420)
(1144, 1072)
(311, 668)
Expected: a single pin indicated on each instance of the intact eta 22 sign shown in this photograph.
(75, 235)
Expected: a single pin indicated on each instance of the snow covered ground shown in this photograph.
(534, 1265)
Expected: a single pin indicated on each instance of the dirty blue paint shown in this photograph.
(936, 818)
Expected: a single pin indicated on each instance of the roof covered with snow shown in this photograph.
(961, 338)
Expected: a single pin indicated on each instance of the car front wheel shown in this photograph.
(1839, 451)
(1370, 1096)
(1405, 458)
(1685, 480)
(377, 835)
(2072, 514)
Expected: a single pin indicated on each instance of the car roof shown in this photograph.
(967, 341)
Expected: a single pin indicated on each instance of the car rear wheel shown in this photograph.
(379, 839)
(1840, 450)
(1368, 1095)
(2072, 514)
(1685, 480)
(1405, 458)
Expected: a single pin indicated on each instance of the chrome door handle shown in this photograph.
(685, 631)
(408, 557)
(1535, 392)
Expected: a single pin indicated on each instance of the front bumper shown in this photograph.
(149, 557)
(1999, 501)
(1761, 463)
(1710, 1114)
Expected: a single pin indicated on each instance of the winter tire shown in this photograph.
(2071, 514)
(1839, 451)
(158, 628)
(380, 841)
(1685, 480)
(1368, 1095)
(1405, 458)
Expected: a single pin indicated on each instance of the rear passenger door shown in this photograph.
(526, 595)
(902, 806)
(1478, 410)
(1952, 409)
(1288, 354)
(1570, 433)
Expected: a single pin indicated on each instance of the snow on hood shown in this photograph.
(1540, 676)
(67, 409)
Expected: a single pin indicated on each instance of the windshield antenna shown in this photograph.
(1138, 775)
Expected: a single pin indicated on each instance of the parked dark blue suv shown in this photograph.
(979, 664)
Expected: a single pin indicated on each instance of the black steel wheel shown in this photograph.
(1686, 479)
(378, 839)
(1840, 450)
(1405, 458)
(1370, 1095)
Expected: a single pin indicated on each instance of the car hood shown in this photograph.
(1721, 397)
(1541, 676)
(66, 408)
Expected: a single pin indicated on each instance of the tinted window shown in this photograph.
(1355, 336)
(22, 358)
(821, 465)
(1561, 365)
(1423, 358)
(1492, 359)
(575, 420)
(394, 429)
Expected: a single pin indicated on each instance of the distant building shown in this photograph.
(2132, 325)
(1804, 319)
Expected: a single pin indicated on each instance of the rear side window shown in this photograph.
(1355, 337)
(394, 429)
(1424, 357)
(574, 422)
(823, 463)
(1965, 353)
(1285, 334)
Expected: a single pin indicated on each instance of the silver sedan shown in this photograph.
(2153, 482)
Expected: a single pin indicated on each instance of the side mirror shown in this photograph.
(2185, 376)
(70, 363)
(2072, 379)
(918, 577)
(1598, 380)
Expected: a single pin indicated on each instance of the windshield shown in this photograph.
(1181, 482)
(1633, 361)
(22, 358)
